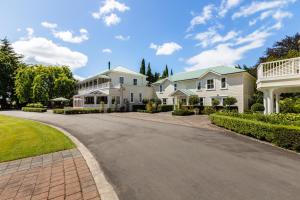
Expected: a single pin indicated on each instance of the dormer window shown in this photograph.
(121, 80)
(175, 86)
(210, 84)
(223, 83)
(160, 88)
(134, 81)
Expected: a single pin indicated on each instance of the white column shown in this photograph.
(187, 100)
(95, 101)
(109, 101)
(265, 101)
(277, 102)
(270, 101)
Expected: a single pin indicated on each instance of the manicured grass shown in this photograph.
(20, 138)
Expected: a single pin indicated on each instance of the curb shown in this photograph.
(105, 189)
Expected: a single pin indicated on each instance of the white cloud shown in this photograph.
(259, 6)
(77, 77)
(107, 11)
(30, 32)
(227, 54)
(202, 18)
(19, 29)
(45, 51)
(49, 25)
(106, 50)
(278, 16)
(67, 36)
(123, 38)
(212, 37)
(111, 19)
(166, 48)
(226, 5)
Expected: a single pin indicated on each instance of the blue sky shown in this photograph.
(186, 35)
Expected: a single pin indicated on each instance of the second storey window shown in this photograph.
(131, 97)
(134, 81)
(160, 88)
(223, 83)
(121, 80)
(199, 86)
(210, 84)
(175, 86)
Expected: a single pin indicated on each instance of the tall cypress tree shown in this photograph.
(150, 77)
(167, 71)
(143, 67)
(171, 72)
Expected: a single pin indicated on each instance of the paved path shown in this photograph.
(55, 176)
(148, 160)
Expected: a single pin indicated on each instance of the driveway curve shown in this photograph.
(150, 160)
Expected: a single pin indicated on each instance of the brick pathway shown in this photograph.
(60, 175)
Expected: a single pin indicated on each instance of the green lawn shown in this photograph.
(20, 138)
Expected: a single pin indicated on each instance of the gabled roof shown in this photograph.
(186, 92)
(122, 70)
(222, 70)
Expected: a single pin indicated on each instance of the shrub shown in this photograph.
(209, 110)
(58, 111)
(215, 102)
(29, 109)
(230, 101)
(146, 111)
(193, 100)
(138, 107)
(81, 111)
(257, 107)
(166, 108)
(108, 110)
(35, 105)
(281, 135)
(182, 112)
(149, 106)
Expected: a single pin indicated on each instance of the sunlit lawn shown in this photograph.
(20, 138)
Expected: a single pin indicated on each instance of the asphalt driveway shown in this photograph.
(151, 160)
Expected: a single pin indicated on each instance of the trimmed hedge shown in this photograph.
(76, 111)
(35, 105)
(182, 112)
(31, 109)
(166, 108)
(135, 108)
(281, 135)
(58, 111)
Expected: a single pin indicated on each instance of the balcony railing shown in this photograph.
(279, 69)
(105, 85)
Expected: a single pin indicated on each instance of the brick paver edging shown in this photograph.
(105, 189)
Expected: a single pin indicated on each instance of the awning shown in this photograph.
(183, 92)
(61, 99)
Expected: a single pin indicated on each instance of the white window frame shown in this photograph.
(164, 103)
(225, 83)
(175, 86)
(160, 88)
(135, 79)
(131, 97)
(140, 97)
(120, 79)
(214, 84)
(197, 84)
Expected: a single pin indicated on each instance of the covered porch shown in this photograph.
(182, 96)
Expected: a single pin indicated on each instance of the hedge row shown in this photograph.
(281, 135)
(166, 108)
(182, 112)
(76, 111)
(30, 109)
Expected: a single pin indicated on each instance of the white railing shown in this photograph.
(105, 85)
(278, 69)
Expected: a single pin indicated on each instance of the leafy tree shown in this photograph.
(143, 67)
(230, 101)
(9, 63)
(193, 100)
(23, 84)
(64, 87)
(286, 48)
(40, 88)
(150, 77)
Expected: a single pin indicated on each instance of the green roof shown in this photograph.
(184, 91)
(198, 73)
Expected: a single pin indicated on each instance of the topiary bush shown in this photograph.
(58, 111)
(230, 101)
(209, 110)
(257, 107)
(35, 105)
(32, 109)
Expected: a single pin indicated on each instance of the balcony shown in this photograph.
(279, 70)
(102, 86)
